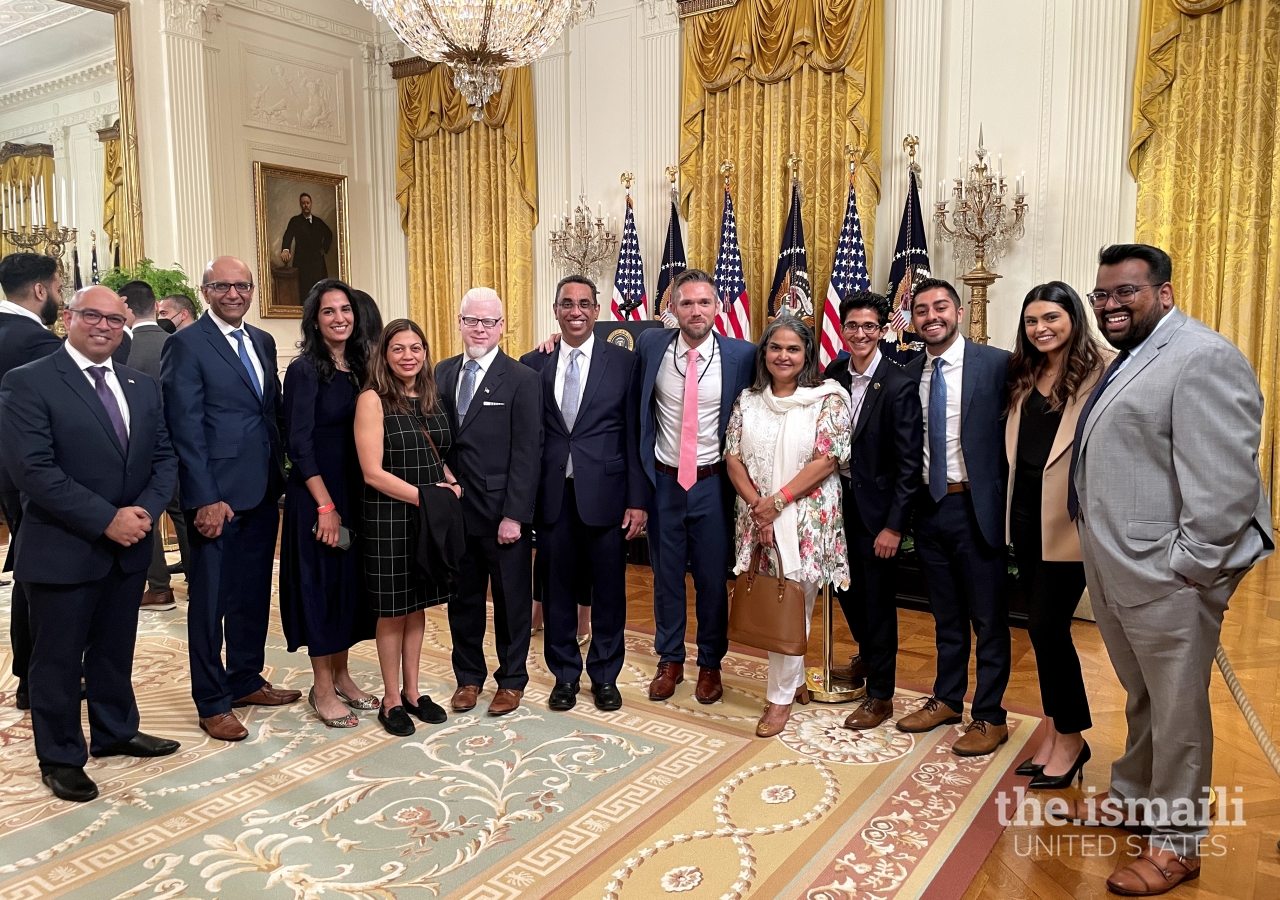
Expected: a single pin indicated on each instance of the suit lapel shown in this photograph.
(268, 367)
(728, 378)
(448, 387)
(222, 344)
(134, 397)
(1150, 350)
(549, 390)
(968, 380)
(599, 362)
(79, 383)
(1070, 415)
(487, 386)
(871, 398)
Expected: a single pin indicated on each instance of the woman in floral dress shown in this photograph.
(786, 439)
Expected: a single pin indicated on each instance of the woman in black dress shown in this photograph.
(320, 605)
(402, 437)
(1054, 369)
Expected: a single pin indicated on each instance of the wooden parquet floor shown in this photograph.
(1060, 869)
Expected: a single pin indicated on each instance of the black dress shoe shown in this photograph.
(396, 721)
(176, 569)
(608, 698)
(427, 710)
(22, 696)
(1043, 782)
(70, 783)
(564, 696)
(141, 745)
(1028, 769)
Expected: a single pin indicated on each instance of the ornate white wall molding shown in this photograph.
(660, 15)
(193, 19)
(98, 72)
(21, 18)
(296, 96)
(551, 119)
(95, 117)
(390, 285)
(283, 13)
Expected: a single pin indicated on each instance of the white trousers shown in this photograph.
(786, 673)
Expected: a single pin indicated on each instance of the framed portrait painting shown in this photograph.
(302, 235)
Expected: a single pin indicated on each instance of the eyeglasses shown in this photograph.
(584, 305)
(222, 287)
(864, 327)
(1123, 295)
(93, 317)
(473, 321)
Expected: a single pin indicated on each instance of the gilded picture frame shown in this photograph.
(304, 214)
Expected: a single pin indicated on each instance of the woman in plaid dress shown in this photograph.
(402, 437)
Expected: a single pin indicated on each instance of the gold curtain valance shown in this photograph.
(19, 165)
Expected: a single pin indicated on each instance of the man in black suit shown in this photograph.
(960, 518)
(32, 287)
(495, 412)
(144, 355)
(884, 472)
(85, 441)
(592, 495)
(310, 239)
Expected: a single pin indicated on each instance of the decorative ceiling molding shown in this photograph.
(694, 7)
(94, 116)
(21, 18)
(283, 13)
(100, 72)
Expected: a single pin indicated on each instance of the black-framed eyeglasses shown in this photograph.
(569, 305)
(1123, 295)
(473, 321)
(864, 327)
(93, 317)
(223, 287)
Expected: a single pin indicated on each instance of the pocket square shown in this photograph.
(493, 403)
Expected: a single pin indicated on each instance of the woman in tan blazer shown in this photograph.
(1055, 367)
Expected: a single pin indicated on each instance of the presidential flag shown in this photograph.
(910, 261)
(790, 291)
(75, 264)
(629, 301)
(93, 263)
(735, 318)
(673, 263)
(848, 274)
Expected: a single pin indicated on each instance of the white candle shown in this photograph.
(74, 216)
(941, 191)
(999, 165)
(599, 210)
(1022, 183)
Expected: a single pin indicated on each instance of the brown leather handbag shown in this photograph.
(767, 612)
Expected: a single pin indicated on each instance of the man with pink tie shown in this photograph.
(690, 378)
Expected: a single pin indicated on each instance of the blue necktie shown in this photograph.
(248, 364)
(468, 389)
(937, 433)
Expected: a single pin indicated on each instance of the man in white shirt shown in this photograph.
(960, 518)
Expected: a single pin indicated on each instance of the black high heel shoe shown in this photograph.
(1043, 782)
(1028, 769)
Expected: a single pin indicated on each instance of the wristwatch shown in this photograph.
(778, 503)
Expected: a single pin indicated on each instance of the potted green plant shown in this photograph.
(164, 282)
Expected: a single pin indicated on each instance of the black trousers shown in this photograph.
(20, 617)
(966, 580)
(158, 578)
(575, 549)
(871, 603)
(98, 622)
(1053, 592)
(508, 570)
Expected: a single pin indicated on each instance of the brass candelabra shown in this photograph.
(51, 240)
(982, 229)
(581, 244)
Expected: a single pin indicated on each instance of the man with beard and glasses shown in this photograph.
(32, 286)
(1172, 513)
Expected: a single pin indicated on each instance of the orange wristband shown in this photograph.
(786, 493)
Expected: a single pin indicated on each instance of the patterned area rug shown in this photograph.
(657, 799)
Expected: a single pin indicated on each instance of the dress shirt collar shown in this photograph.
(705, 350)
(10, 307)
(128, 331)
(587, 346)
(83, 362)
(224, 327)
(953, 355)
(1138, 349)
(871, 369)
(484, 361)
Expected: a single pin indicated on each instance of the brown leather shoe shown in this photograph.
(224, 727)
(465, 697)
(855, 672)
(980, 738)
(1152, 872)
(158, 600)
(663, 686)
(871, 714)
(767, 729)
(928, 717)
(709, 689)
(268, 696)
(504, 701)
(1101, 815)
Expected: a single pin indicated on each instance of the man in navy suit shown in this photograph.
(86, 444)
(884, 472)
(682, 448)
(32, 287)
(222, 403)
(592, 495)
(960, 518)
(494, 406)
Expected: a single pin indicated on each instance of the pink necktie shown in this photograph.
(687, 474)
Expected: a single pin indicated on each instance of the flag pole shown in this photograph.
(910, 144)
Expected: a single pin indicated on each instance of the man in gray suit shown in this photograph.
(1172, 513)
(144, 355)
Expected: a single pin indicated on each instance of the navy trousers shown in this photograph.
(690, 531)
(507, 570)
(871, 603)
(966, 580)
(96, 621)
(19, 619)
(229, 589)
(574, 549)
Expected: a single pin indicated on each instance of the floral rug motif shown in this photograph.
(656, 799)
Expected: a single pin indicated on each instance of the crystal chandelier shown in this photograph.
(480, 38)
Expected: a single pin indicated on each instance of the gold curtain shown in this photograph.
(764, 80)
(468, 199)
(112, 188)
(1205, 151)
(18, 166)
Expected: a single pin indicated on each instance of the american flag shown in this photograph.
(735, 320)
(848, 274)
(629, 301)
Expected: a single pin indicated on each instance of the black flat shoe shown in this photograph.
(141, 745)
(68, 783)
(1028, 769)
(427, 710)
(1043, 782)
(608, 697)
(564, 696)
(396, 721)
